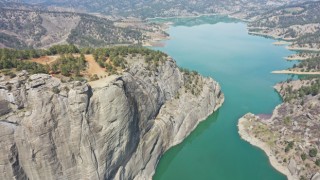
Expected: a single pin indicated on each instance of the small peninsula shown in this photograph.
(290, 136)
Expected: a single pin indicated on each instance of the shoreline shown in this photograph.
(264, 34)
(294, 72)
(301, 57)
(303, 49)
(159, 42)
(295, 58)
(281, 43)
(263, 146)
(185, 16)
(279, 39)
(275, 37)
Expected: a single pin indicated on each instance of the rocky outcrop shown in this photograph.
(117, 130)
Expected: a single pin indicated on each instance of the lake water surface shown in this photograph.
(222, 49)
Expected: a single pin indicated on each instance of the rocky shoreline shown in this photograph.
(294, 72)
(290, 135)
(244, 132)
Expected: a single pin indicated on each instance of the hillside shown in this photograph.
(39, 29)
(290, 136)
(166, 8)
(298, 23)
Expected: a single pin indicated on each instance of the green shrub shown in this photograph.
(287, 120)
(303, 178)
(94, 77)
(55, 90)
(303, 156)
(313, 152)
(289, 146)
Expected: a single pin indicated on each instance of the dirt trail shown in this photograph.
(94, 67)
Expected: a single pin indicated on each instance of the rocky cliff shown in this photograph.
(117, 128)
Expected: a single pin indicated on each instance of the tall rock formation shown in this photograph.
(116, 128)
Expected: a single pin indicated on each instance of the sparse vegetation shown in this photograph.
(303, 178)
(313, 152)
(192, 81)
(289, 146)
(11, 58)
(291, 22)
(94, 77)
(312, 89)
(309, 65)
(114, 58)
(83, 29)
(303, 156)
(287, 120)
(296, 120)
(55, 90)
(98, 32)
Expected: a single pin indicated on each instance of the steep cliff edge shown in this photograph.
(117, 128)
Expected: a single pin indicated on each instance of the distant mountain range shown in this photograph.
(155, 8)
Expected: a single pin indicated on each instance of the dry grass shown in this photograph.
(45, 59)
(94, 68)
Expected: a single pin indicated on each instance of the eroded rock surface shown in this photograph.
(117, 130)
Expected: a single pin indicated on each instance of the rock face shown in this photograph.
(117, 130)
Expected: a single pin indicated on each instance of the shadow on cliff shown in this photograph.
(201, 128)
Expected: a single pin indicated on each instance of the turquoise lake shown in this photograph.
(222, 49)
